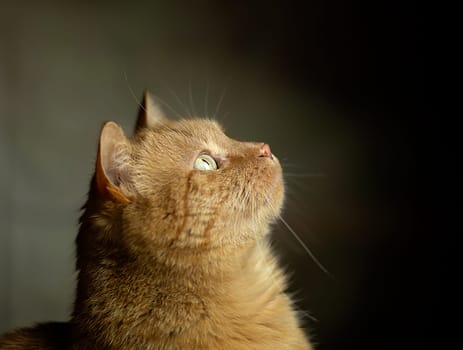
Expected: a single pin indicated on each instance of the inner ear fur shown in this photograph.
(150, 113)
(112, 176)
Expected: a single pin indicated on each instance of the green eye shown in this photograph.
(205, 162)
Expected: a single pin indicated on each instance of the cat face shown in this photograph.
(185, 184)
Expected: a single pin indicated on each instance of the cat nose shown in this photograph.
(265, 151)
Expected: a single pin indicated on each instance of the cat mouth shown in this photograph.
(273, 191)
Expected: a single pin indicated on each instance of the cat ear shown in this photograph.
(150, 113)
(111, 172)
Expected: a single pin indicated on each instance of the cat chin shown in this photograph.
(276, 193)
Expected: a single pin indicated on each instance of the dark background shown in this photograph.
(336, 88)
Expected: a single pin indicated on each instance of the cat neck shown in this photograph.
(148, 296)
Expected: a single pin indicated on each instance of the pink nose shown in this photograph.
(265, 151)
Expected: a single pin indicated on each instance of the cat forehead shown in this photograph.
(192, 127)
(205, 133)
(196, 129)
(201, 127)
(210, 134)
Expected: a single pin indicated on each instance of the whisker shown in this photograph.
(217, 108)
(308, 251)
(288, 162)
(190, 96)
(303, 174)
(301, 242)
(308, 315)
(168, 106)
(155, 96)
(206, 100)
(179, 101)
(301, 183)
(131, 92)
(296, 203)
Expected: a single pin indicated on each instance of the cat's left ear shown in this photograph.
(112, 173)
(150, 113)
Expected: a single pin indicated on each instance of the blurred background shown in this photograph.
(336, 89)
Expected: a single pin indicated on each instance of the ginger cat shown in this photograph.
(172, 249)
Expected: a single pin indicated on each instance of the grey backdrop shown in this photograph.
(66, 68)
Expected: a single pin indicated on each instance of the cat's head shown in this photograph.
(183, 185)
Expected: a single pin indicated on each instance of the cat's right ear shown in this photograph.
(150, 113)
(111, 173)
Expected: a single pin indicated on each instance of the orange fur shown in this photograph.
(170, 257)
(46, 336)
